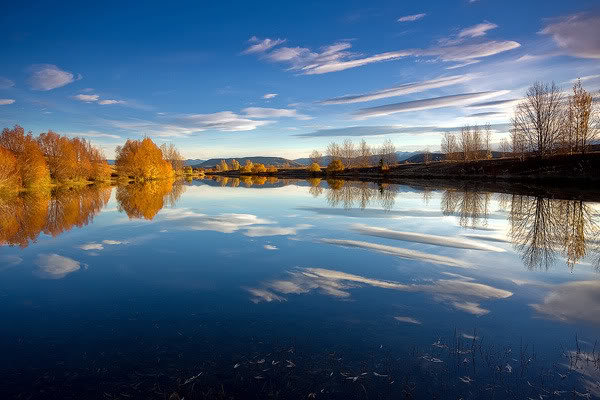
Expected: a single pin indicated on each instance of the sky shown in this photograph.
(231, 79)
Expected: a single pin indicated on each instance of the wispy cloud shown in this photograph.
(270, 247)
(260, 46)
(269, 95)
(436, 240)
(572, 302)
(263, 112)
(477, 30)
(48, 77)
(5, 102)
(408, 320)
(110, 101)
(88, 98)
(94, 134)
(427, 104)
(494, 103)
(261, 231)
(370, 130)
(54, 266)
(411, 18)
(576, 34)
(407, 88)
(6, 83)
(400, 252)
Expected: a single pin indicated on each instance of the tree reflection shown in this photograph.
(472, 207)
(543, 228)
(145, 200)
(24, 217)
(350, 194)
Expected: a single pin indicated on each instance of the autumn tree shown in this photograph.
(235, 165)
(258, 168)
(247, 168)
(578, 128)
(336, 165)
(334, 151)
(143, 160)
(222, 166)
(10, 178)
(365, 154)
(32, 166)
(538, 119)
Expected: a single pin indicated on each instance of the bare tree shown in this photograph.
(580, 111)
(449, 146)
(387, 152)
(334, 151)
(518, 143)
(538, 119)
(465, 142)
(504, 147)
(487, 137)
(348, 153)
(316, 157)
(364, 153)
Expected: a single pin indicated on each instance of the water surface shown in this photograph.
(298, 289)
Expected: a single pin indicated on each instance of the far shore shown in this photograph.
(561, 169)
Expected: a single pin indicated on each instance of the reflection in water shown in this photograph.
(471, 206)
(541, 228)
(461, 293)
(246, 180)
(24, 217)
(145, 200)
(347, 194)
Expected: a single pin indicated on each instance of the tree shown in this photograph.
(10, 179)
(271, 169)
(348, 153)
(504, 147)
(387, 152)
(172, 156)
(518, 143)
(365, 154)
(449, 146)
(314, 167)
(143, 160)
(334, 151)
(222, 166)
(538, 119)
(335, 166)
(33, 170)
(427, 156)
(235, 165)
(487, 138)
(578, 130)
(247, 168)
(316, 157)
(258, 168)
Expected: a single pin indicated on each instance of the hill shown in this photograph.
(401, 155)
(277, 161)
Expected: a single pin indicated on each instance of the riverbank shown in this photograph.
(561, 169)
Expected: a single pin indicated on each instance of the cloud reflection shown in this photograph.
(572, 302)
(54, 266)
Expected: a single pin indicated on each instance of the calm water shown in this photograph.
(272, 289)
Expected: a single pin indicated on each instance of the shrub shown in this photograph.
(248, 167)
(314, 167)
(335, 166)
(271, 169)
(259, 168)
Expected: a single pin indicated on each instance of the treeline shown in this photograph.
(349, 155)
(545, 122)
(248, 168)
(29, 162)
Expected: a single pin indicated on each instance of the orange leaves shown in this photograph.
(10, 179)
(32, 166)
(142, 160)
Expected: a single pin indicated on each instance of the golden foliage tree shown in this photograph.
(335, 165)
(143, 200)
(314, 167)
(259, 168)
(235, 165)
(10, 179)
(172, 156)
(247, 168)
(143, 160)
(33, 170)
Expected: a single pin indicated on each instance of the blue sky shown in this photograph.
(283, 78)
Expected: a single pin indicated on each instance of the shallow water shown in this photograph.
(296, 289)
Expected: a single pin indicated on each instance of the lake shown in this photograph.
(263, 288)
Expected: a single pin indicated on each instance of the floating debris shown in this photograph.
(466, 379)
(380, 375)
(312, 395)
(259, 377)
(192, 378)
(290, 364)
(508, 368)
(236, 365)
(261, 361)
(274, 362)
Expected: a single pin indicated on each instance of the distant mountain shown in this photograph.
(194, 161)
(277, 161)
(401, 155)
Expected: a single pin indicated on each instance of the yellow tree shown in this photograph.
(30, 159)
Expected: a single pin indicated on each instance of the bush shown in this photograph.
(248, 167)
(271, 169)
(335, 166)
(314, 167)
(259, 168)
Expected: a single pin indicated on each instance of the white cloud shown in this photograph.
(223, 121)
(108, 102)
(572, 302)
(576, 34)
(259, 231)
(259, 295)
(424, 238)
(8, 261)
(400, 252)
(94, 134)
(6, 83)
(224, 223)
(260, 46)
(270, 247)
(114, 242)
(470, 307)
(4, 102)
(92, 246)
(262, 112)
(414, 87)
(411, 18)
(336, 57)
(427, 104)
(408, 320)
(88, 98)
(477, 30)
(48, 77)
(54, 266)
(463, 64)
(269, 95)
